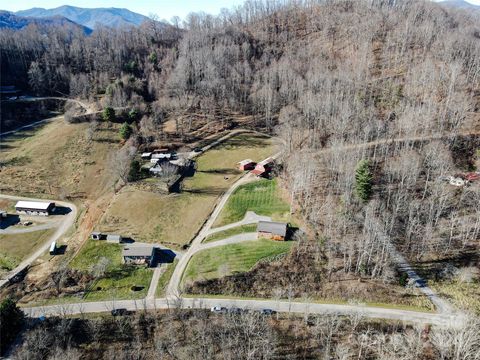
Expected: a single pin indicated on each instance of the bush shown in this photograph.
(108, 114)
(403, 280)
(363, 180)
(132, 114)
(125, 131)
(11, 321)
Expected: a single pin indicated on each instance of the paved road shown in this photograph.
(152, 289)
(280, 306)
(26, 229)
(68, 221)
(235, 239)
(173, 285)
(250, 218)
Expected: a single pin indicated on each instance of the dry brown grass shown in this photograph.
(174, 219)
(57, 161)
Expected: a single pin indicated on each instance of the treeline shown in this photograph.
(179, 334)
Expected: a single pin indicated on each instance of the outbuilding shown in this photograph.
(113, 238)
(264, 167)
(146, 155)
(97, 236)
(247, 164)
(35, 208)
(272, 230)
(138, 255)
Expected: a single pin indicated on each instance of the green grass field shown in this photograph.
(261, 197)
(174, 219)
(230, 232)
(119, 278)
(16, 247)
(165, 278)
(230, 259)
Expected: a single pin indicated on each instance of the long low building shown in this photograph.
(138, 255)
(35, 207)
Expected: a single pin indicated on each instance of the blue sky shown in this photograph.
(165, 9)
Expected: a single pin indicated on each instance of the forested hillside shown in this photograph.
(322, 74)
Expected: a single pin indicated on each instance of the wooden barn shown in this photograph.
(264, 167)
(35, 208)
(247, 164)
(272, 230)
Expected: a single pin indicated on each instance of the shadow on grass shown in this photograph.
(10, 220)
(62, 210)
(225, 171)
(205, 191)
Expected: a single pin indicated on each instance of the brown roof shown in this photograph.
(276, 228)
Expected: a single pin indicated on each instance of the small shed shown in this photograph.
(116, 239)
(97, 236)
(146, 155)
(35, 208)
(138, 255)
(247, 164)
(272, 230)
(264, 167)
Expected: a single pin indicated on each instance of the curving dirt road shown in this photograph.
(68, 221)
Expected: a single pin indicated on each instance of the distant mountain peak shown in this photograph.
(462, 4)
(89, 17)
(12, 21)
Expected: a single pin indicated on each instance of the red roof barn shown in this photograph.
(263, 167)
(247, 164)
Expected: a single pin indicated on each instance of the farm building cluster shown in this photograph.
(463, 179)
(131, 254)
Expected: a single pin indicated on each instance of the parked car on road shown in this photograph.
(268, 312)
(218, 309)
(119, 312)
(198, 149)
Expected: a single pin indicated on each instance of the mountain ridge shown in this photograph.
(89, 17)
(12, 21)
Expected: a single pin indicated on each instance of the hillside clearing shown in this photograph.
(56, 160)
(231, 259)
(174, 219)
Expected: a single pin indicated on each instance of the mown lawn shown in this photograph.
(119, 278)
(230, 232)
(174, 219)
(16, 247)
(230, 259)
(165, 278)
(262, 197)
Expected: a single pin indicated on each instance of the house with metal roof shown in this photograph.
(138, 255)
(35, 207)
(272, 230)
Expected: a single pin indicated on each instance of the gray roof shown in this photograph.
(276, 228)
(114, 237)
(138, 251)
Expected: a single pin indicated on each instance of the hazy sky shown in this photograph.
(165, 9)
